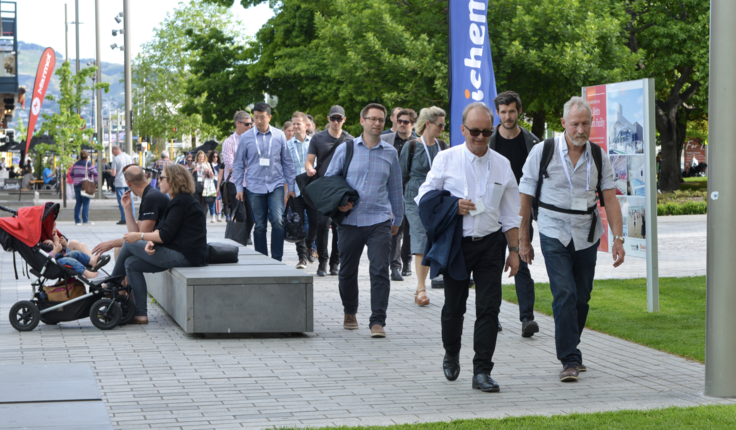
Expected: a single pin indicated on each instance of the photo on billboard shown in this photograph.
(624, 203)
(636, 222)
(620, 174)
(626, 122)
(637, 175)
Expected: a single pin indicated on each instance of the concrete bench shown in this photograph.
(256, 295)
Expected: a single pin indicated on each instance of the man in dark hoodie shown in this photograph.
(488, 203)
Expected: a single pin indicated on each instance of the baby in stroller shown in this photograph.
(71, 253)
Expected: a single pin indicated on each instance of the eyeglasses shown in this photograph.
(375, 120)
(475, 132)
(441, 126)
(163, 177)
(247, 124)
(336, 118)
(403, 122)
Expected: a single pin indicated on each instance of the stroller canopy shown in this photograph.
(32, 224)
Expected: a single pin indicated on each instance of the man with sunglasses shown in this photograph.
(321, 150)
(515, 143)
(401, 254)
(243, 123)
(482, 183)
(394, 125)
(120, 160)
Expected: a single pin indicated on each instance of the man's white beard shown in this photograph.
(578, 141)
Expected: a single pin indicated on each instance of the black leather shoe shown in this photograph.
(500, 329)
(322, 269)
(406, 272)
(334, 271)
(395, 275)
(451, 366)
(528, 328)
(485, 383)
(310, 256)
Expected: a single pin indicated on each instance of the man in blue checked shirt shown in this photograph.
(298, 146)
(263, 149)
(375, 174)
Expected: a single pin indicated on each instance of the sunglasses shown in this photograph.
(403, 122)
(247, 124)
(129, 165)
(336, 118)
(475, 132)
(441, 126)
(163, 177)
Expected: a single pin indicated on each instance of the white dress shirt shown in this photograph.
(466, 176)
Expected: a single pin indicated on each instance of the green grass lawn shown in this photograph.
(703, 417)
(619, 307)
(698, 183)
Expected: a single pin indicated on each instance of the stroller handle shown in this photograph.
(12, 211)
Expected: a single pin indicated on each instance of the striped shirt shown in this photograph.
(229, 148)
(298, 152)
(78, 171)
(375, 174)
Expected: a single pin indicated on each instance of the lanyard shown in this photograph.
(567, 173)
(296, 150)
(426, 150)
(465, 177)
(270, 143)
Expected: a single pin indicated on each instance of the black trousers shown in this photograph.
(323, 238)
(352, 241)
(401, 252)
(485, 259)
(248, 218)
(313, 219)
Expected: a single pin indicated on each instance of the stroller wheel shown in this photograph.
(128, 310)
(24, 316)
(105, 314)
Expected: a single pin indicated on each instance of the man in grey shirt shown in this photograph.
(567, 209)
(119, 162)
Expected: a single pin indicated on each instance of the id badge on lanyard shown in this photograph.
(264, 161)
(578, 204)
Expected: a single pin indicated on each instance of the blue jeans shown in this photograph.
(119, 191)
(133, 261)
(81, 208)
(269, 206)
(77, 260)
(571, 275)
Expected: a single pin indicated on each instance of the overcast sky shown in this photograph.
(42, 22)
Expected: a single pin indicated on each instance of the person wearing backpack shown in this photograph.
(515, 143)
(375, 217)
(565, 178)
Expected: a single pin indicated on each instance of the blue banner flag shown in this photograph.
(471, 77)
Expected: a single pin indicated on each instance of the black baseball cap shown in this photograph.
(337, 110)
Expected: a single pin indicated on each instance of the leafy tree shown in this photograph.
(546, 50)
(161, 72)
(672, 37)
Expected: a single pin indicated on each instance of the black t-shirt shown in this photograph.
(320, 144)
(515, 151)
(153, 204)
(183, 228)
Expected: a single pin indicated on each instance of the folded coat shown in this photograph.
(443, 253)
(326, 194)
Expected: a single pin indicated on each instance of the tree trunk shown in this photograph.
(666, 118)
(683, 116)
(538, 122)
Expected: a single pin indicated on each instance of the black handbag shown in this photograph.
(293, 223)
(221, 253)
(303, 180)
(235, 230)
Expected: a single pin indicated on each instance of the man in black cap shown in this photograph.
(321, 147)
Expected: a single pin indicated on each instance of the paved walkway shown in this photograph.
(156, 376)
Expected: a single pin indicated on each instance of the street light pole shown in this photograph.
(66, 35)
(76, 2)
(720, 344)
(127, 28)
(98, 106)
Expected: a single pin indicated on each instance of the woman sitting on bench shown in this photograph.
(178, 240)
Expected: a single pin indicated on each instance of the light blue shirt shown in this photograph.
(376, 175)
(298, 151)
(254, 146)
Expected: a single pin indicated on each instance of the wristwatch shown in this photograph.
(621, 238)
(142, 235)
(514, 249)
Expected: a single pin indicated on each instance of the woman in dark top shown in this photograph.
(178, 240)
(81, 170)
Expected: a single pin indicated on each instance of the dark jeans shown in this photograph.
(119, 191)
(485, 259)
(312, 219)
(571, 281)
(323, 238)
(133, 261)
(81, 207)
(524, 285)
(352, 241)
(231, 192)
(269, 207)
(401, 252)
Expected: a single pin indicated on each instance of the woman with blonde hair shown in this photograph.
(416, 161)
(178, 240)
(201, 170)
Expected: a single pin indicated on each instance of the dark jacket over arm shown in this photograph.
(443, 253)
(183, 228)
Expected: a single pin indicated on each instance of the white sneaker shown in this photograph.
(219, 219)
(78, 223)
(212, 220)
(89, 223)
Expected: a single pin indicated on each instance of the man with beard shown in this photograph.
(515, 143)
(569, 224)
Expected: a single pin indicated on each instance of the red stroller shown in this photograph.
(24, 233)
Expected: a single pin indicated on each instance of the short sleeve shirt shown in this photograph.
(118, 163)
(153, 204)
(320, 145)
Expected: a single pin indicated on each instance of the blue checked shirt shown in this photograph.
(263, 179)
(298, 151)
(376, 175)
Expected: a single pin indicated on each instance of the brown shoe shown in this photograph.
(139, 320)
(422, 300)
(378, 331)
(570, 373)
(582, 368)
(351, 323)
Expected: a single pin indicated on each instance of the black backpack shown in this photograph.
(412, 150)
(547, 153)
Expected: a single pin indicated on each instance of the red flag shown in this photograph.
(43, 77)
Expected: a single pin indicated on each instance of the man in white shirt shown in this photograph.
(119, 163)
(488, 194)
